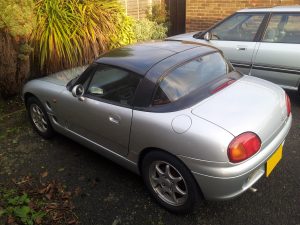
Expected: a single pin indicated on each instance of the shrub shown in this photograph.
(17, 17)
(124, 31)
(158, 13)
(149, 30)
(73, 32)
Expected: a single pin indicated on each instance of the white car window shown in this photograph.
(240, 27)
(283, 28)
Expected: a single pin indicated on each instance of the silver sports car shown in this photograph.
(175, 112)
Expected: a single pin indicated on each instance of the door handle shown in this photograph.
(113, 120)
(241, 48)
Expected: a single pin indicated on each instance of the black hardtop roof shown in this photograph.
(139, 58)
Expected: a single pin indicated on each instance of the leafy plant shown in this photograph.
(149, 30)
(73, 32)
(125, 31)
(158, 13)
(14, 205)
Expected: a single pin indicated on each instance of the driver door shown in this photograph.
(236, 38)
(104, 115)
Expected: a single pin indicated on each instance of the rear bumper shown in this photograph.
(225, 181)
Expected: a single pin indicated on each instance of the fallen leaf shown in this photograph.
(43, 190)
(57, 216)
(49, 196)
(44, 174)
(81, 178)
(66, 195)
(61, 169)
(51, 206)
(10, 220)
(38, 220)
(77, 191)
(31, 205)
(73, 221)
(116, 221)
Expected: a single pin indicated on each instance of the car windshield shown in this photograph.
(70, 73)
(193, 75)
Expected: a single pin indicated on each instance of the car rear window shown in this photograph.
(190, 77)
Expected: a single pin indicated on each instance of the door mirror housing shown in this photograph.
(78, 91)
(207, 36)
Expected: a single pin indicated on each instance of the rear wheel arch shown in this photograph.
(148, 150)
(155, 155)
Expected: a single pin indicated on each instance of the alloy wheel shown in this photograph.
(38, 118)
(168, 183)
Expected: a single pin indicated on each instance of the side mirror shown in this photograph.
(207, 36)
(78, 92)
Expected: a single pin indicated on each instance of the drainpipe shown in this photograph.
(138, 8)
(126, 7)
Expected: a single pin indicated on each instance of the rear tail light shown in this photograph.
(288, 105)
(222, 86)
(243, 147)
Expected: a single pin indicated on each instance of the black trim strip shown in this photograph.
(241, 65)
(262, 28)
(277, 69)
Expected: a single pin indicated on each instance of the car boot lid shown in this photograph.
(248, 105)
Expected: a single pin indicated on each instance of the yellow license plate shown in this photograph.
(273, 161)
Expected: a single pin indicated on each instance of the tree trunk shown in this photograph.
(14, 69)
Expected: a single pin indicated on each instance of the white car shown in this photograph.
(263, 42)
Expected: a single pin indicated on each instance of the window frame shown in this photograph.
(89, 76)
(258, 34)
(172, 105)
(267, 24)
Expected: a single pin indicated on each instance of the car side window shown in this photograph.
(113, 84)
(239, 27)
(283, 28)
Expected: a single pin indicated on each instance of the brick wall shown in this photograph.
(201, 14)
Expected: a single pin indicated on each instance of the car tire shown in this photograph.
(39, 118)
(170, 182)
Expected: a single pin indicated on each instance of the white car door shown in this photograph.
(236, 37)
(239, 53)
(278, 55)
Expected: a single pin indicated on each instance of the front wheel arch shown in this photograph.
(28, 95)
(33, 100)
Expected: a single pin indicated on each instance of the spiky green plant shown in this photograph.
(73, 32)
